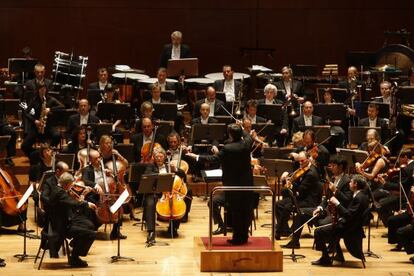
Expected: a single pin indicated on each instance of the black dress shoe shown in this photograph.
(2, 260)
(2, 264)
(77, 262)
(323, 261)
(9, 162)
(218, 231)
(385, 235)
(292, 244)
(398, 248)
(151, 237)
(114, 236)
(174, 233)
(412, 259)
(339, 258)
(236, 242)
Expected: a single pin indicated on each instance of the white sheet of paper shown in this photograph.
(121, 199)
(214, 173)
(25, 197)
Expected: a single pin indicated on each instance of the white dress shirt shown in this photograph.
(204, 121)
(176, 52)
(372, 123)
(84, 119)
(288, 86)
(228, 89)
(102, 85)
(308, 120)
(211, 104)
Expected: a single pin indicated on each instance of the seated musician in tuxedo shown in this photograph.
(102, 82)
(385, 90)
(282, 125)
(351, 82)
(307, 119)
(83, 117)
(146, 136)
(405, 237)
(349, 224)
(33, 85)
(159, 166)
(68, 219)
(338, 186)
(174, 145)
(389, 197)
(250, 113)
(37, 113)
(292, 87)
(146, 111)
(304, 188)
(92, 176)
(231, 87)
(210, 99)
(374, 121)
(174, 50)
(7, 129)
(178, 87)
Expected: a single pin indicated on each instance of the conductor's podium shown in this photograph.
(255, 256)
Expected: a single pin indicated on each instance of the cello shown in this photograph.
(9, 195)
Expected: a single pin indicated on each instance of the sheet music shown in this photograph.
(25, 197)
(214, 173)
(118, 203)
(180, 106)
(261, 68)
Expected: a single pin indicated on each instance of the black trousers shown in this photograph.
(219, 200)
(81, 230)
(299, 220)
(387, 206)
(150, 212)
(241, 219)
(11, 145)
(394, 223)
(50, 133)
(405, 237)
(283, 209)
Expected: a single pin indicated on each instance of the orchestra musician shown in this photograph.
(231, 87)
(250, 112)
(7, 129)
(348, 226)
(293, 88)
(282, 126)
(390, 197)
(174, 50)
(83, 117)
(68, 219)
(351, 82)
(33, 85)
(146, 111)
(235, 161)
(159, 167)
(304, 188)
(214, 103)
(374, 121)
(102, 82)
(37, 112)
(339, 188)
(178, 87)
(307, 119)
(174, 145)
(92, 176)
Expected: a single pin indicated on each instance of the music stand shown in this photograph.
(361, 109)
(223, 119)
(184, 66)
(208, 132)
(277, 153)
(100, 129)
(271, 112)
(340, 95)
(207, 178)
(406, 94)
(221, 96)
(352, 156)
(165, 111)
(335, 111)
(357, 135)
(154, 184)
(321, 133)
(165, 127)
(21, 65)
(94, 96)
(305, 70)
(68, 158)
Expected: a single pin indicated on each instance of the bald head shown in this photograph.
(83, 107)
(205, 110)
(61, 167)
(147, 126)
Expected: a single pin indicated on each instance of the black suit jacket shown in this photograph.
(351, 217)
(380, 123)
(308, 188)
(217, 107)
(296, 87)
(219, 86)
(137, 140)
(166, 54)
(94, 85)
(235, 163)
(31, 88)
(299, 123)
(74, 121)
(343, 193)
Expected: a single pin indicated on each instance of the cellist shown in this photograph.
(159, 166)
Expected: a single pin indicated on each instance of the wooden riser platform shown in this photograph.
(257, 256)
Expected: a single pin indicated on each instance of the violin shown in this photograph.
(376, 151)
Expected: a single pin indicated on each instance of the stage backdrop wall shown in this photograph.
(133, 32)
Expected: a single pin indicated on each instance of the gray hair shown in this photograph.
(66, 178)
(270, 87)
(177, 34)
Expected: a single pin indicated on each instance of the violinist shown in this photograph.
(389, 197)
(93, 177)
(159, 166)
(174, 145)
(349, 223)
(250, 113)
(375, 163)
(338, 187)
(146, 136)
(304, 185)
(68, 219)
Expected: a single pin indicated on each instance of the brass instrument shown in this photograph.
(238, 100)
(43, 117)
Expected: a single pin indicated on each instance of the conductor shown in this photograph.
(235, 163)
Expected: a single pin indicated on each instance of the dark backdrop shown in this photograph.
(133, 32)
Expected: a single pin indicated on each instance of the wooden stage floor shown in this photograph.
(179, 258)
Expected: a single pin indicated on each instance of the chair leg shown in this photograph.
(38, 252)
(225, 221)
(363, 261)
(67, 249)
(41, 259)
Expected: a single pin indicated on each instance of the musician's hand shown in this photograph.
(317, 211)
(283, 131)
(189, 149)
(173, 168)
(284, 175)
(351, 111)
(91, 205)
(108, 172)
(300, 100)
(334, 201)
(214, 150)
(412, 189)
(38, 123)
(98, 189)
(253, 134)
(192, 155)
